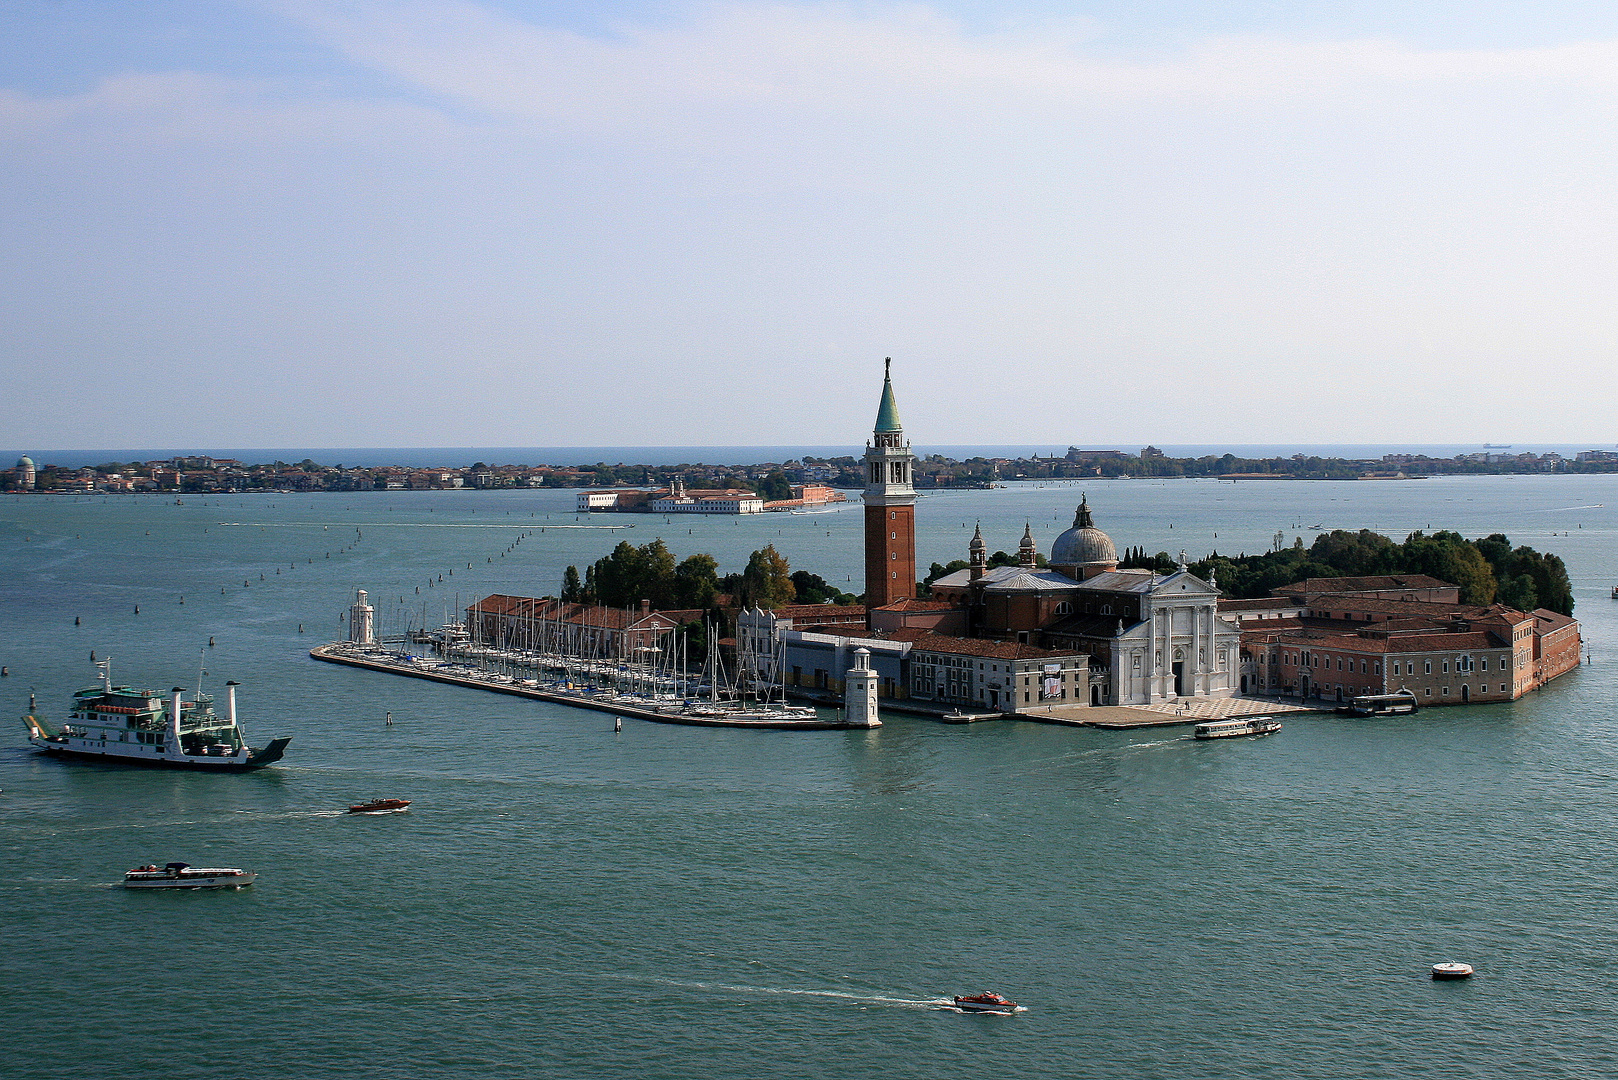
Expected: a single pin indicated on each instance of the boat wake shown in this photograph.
(843, 996)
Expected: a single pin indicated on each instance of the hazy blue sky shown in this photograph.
(306, 223)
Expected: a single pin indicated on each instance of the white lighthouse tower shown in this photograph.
(360, 620)
(859, 693)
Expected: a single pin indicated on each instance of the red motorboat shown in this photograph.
(988, 1001)
(380, 806)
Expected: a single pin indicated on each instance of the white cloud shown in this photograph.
(693, 208)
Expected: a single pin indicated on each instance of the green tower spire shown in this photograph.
(887, 416)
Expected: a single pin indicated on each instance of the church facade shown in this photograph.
(1150, 637)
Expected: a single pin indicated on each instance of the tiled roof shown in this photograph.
(1261, 603)
(913, 604)
(548, 608)
(1143, 582)
(1360, 584)
(963, 578)
(998, 650)
(1434, 642)
(1025, 580)
(1093, 626)
(816, 612)
(1550, 621)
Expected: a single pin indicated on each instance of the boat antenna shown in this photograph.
(202, 659)
(105, 666)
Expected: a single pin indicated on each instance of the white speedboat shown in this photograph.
(179, 875)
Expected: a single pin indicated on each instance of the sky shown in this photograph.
(507, 223)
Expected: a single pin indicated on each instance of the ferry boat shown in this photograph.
(1236, 729)
(179, 875)
(988, 1001)
(380, 806)
(122, 723)
(1397, 703)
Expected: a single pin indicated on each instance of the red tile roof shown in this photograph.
(928, 641)
(913, 604)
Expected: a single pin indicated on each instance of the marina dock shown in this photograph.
(341, 652)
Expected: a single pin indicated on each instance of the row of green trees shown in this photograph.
(1488, 570)
(631, 574)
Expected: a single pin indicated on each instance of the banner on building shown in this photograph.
(1051, 685)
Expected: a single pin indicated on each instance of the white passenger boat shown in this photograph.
(179, 875)
(1398, 703)
(121, 723)
(1236, 729)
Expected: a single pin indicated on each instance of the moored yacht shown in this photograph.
(122, 723)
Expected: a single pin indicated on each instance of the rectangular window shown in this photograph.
(1429, 669)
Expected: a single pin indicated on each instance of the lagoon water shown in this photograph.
(562, 901)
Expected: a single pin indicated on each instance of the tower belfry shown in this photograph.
(890, 506)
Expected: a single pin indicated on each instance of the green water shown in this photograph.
(686, 902)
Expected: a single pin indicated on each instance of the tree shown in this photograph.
(774, 486)
(1518, 592)
(1449, 557)
(814, 589)
(696, 582)
(630, 575)
(767, 581)
(572, 590)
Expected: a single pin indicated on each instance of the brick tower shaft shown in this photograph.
(890, 507)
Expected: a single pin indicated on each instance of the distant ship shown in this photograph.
(1496, 446)
(121, 723)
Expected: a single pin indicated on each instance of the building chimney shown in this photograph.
(645, 608)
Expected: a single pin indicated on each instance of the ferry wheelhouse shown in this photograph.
(122, 723)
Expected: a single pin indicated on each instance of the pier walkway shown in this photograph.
(343, 653)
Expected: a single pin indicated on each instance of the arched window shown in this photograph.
(1064, 608)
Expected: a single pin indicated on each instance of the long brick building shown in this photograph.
(1333, 638)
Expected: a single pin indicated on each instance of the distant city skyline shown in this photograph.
(525, 223)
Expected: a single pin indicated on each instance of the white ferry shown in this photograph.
(121, 723)
(179, 875)
(1236, 729)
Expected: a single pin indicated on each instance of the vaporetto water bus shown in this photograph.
(141, 727)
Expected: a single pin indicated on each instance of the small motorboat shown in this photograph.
(988, 1001)
(380, 806)
(1452, 971)
(179, 875)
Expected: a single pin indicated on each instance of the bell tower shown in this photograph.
(890, 506)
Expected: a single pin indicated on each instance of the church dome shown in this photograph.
(1084, 544)
(25, 463)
